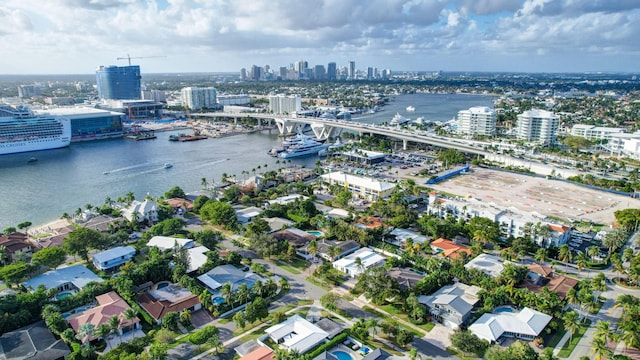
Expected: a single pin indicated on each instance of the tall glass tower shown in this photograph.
(118, 82)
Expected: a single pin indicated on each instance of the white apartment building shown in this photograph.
(595, 133)
(538, 126)
(512, 221)
(479, 120)
(199, 98)
(624, 145)
(285, 104)
(360, 187)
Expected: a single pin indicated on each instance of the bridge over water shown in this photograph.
(326, 128)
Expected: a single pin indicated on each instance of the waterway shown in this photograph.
(63, 180)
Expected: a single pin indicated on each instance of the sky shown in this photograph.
(174, 36)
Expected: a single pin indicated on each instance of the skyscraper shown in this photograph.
(351, 72)
(332, 71)
(319, 72)
(369, 73)
(479, 120)
(284, 104)
(118, 82)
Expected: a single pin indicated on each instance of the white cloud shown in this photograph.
(219, 35)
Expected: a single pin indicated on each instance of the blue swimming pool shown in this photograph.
(504, 309)
(315, 233)
(342, 355)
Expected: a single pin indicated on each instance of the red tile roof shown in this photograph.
(261, 353)
(110, 305)
(449, 249)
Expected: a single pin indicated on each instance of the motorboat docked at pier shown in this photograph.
(22, 131)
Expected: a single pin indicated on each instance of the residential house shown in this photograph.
(448, 249)
(399, 237)
(34, 341)
(407, 278)
(170, 298)
(297, 334)
(16, 246)
(540, 276)
(377, 354)
(109, 305)
(489, 264)
(296, 237)
(111, 259)
(344, 248)
(367, 258)
(276, 223)
(67, 279)
(452, 305)
(146, 210)
(285, 200)
(180, 203)
(525, 324)
(260, 353)
(215, 279)
(197, 253)
(247, 214)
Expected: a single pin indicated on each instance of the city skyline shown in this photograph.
(75, 36)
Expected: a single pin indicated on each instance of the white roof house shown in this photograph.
(402, 235)
(296, 333)
(489, 264)
(361, 187)
(215, 278)
(526, 324)
(368, 258)
(73, 277)
(197, 257)
(166, 242)
(284, 200)
(247, 214)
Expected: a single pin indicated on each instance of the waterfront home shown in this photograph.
(34, 341)
(297, 334)
(68, 279)
(452, 305)
(180, 203)
(166, 298)
(525, 324)
(16, 245)
(109, 305)
(146, 210)
(111, 259)
(359, 261)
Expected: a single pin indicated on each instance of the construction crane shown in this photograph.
(138, 57)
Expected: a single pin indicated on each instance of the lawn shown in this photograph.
(318, 283)
(459, 354)
(395, 311)
(288, 267)
(570, 345)
(381, 315)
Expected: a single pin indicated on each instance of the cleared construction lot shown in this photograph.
(548, 197)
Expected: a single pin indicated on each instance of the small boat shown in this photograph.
(168, 166)
(411, 108)
(32, 159)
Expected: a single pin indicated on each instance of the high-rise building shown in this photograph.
(332, 71)
(155, 95)
(319, 73)
(369, 73)
(538, 126)
(256, 73)
(351, 72)
(479, 120)
(118, 82)
(27, 91)
(285, 104)
(199, 98)
(283, 73)
(243, 74)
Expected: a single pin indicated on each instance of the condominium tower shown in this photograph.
(479, 120)
(199, 98)
(285, 104)
(538, 126)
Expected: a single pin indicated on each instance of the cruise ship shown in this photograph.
(306, 147)
(22, 131)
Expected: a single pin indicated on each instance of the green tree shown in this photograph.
(51, 257)
(599, 348)
(170, 321)
(219, 213)
(469, 343)
(174, 192)
(577, 142)
(239, 319)
(330, 301)
(80, 240)
(571, 321)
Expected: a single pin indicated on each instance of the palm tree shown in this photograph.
(541, 255)
(564, 254)
(114, 324)
(284, 283)
(571, 321)
(593, 251)
(243, 293)
(85, 333)
(333, 252)
(630, 335)
(603, 330)
(599, 348)
(373, 326)
(130, 314)
(359, 264)
(581, 261)
(3, 254)
(226, 292)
